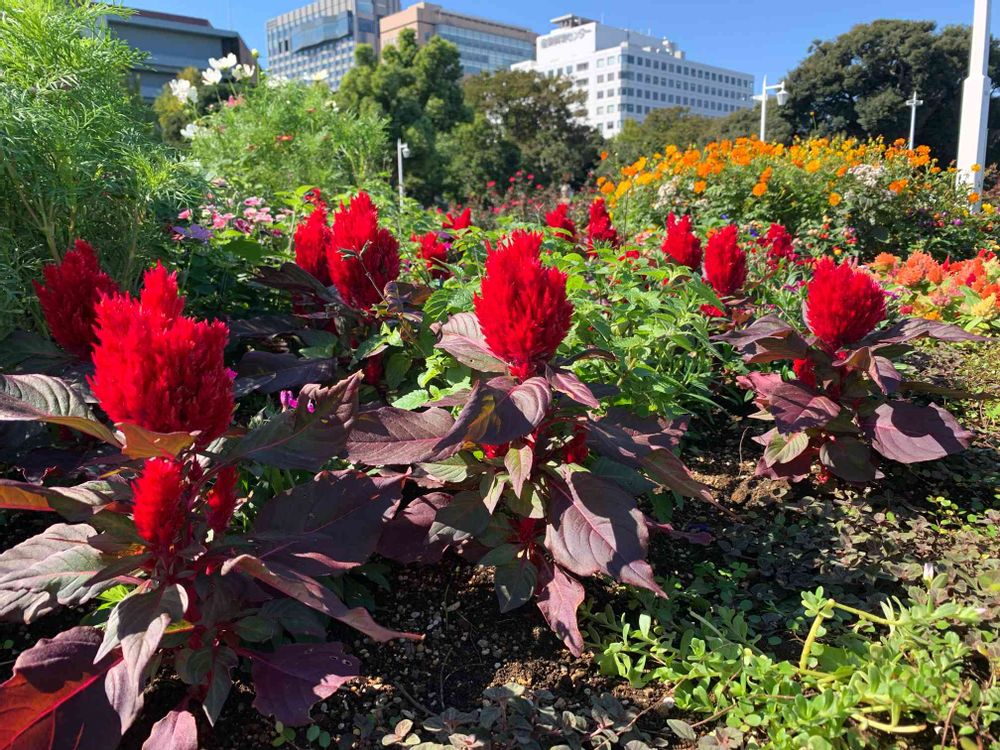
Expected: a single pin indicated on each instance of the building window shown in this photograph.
(582, 66)
(600, 94)
(600, 110)
(600, 63)
(600, 78)
(611, 76)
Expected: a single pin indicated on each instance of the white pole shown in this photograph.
(975, 102)
(763, 109)
(913, 103)
(399, 166)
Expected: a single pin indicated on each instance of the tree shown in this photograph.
(662, 127)
(417, 90)
(477, 153)
(543, 117)
(746, 122)
(857, 84)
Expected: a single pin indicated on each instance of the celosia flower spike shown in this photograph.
(311, 240)
(457, 222)
(522, 306)
(434, 254)
(158, 503)
(599, 227)
(681, 244)
(69, 298)
(725, 262)
(559, 219)
(158, 369)
(361, 257)
(843, 304)
(221, 499)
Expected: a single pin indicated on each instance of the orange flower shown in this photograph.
(973, 198)
(898, 186)
(813, 166)
(759, 189)
(884, 261)
(835, 199)
(604, 155)
(608, 187)
(699, 186)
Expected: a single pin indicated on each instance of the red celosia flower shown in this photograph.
(576, 451)
(725, 262)
(454, 223)
(599, 228)
(373, 369)
(158, 369)
(221, 499)
(312, 238)
(522, 306)
(711, 311)
(495, 451)
(559, 219)
(361, 257)
(779, 246)
(805, 371)
(843, 304)
(70, 296)
(158, 500)
(681, 244)
(434, 252)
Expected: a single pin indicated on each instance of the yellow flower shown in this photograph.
(975, 167)
(989, 209)
(985, 308)
(759, 189)
(813, 166)
(835, 199)
(699, 186)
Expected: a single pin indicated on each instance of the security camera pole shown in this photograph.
(781, 94)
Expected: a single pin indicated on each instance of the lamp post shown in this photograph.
(913, 103)
(402, 152)
(781, 94)
(975, 102)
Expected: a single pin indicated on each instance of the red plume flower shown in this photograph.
(158, 369)
(221, 499)
(576, 450)
(805, 370)
(599, 228)
(158, 500)
(522, 306)
(434, 253)
(312, 237)
(457, 222)
(843, 304)
(779, 246)
(681, 244)
(559, 219)
(361, 258)
(69, 298)
(725, 262)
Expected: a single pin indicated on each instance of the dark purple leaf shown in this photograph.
(462, 338)
(627, 438)
(404, 538)
(313, 594)
(566, 382)
(178, 730)
(466, 515)
(328, 525)
(796, 407)
(879, 369)
(694, 537)
(270, 372)
(595, 527)
(514, 582)
(50, 570)
(59, 699)
(559, 595)
(22, 351)
(290, 278)
(499, 411)
(766, 340)
(910, 433)
(41, 398)
(291, 680)
(915, 328)
(304, 439)
(262, 327)
(388, 435)
(848, 458)
(664, 467)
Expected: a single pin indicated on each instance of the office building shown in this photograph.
(317, 41)
(626, 75)
(483, 45)
(173, 43)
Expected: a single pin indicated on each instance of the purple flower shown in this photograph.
(194, 232)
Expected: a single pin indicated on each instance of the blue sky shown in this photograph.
(755, 36)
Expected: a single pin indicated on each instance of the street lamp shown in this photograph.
(402, 152)
(781, 94)
(975, 102)
(913, 103)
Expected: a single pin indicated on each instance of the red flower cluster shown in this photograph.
(576, 450)
(843, 304)
(805, 371)
(434, 253)
(158, 508)
(361, 257)
(311, 240)
(681, 244)
(725, 262)
(158, 369)
(457, 222)
(522, 306)
(70, 296)
(221, 499)
(779, 246)
(558, 218)
(599, 227)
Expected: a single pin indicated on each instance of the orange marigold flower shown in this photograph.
(759, 189)
(699, 186)
(834, 199)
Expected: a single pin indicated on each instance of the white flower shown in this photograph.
(190, 130)
(223, 63)
(183, 90)
(274, 82)
(211, 76)
(928, 572)
(319, 75)
(243, 71)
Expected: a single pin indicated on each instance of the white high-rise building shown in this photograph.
(627, 75)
